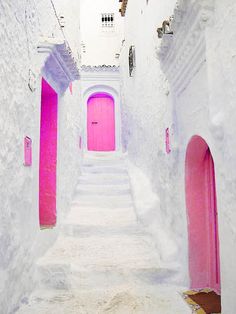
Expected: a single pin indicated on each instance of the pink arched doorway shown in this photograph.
(48, 156)
(204, 258)
(101, 122)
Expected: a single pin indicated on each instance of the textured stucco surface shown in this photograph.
(146, 113)
(100, 46)
(222, 115)
(22, 25)
(205, 107)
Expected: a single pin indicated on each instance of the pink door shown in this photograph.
(48, 156)
(101, 123)
(204, 258)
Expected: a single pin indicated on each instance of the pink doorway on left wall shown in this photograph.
(48, 156)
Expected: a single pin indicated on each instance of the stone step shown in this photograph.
(103, 156)
(104, 169)
(77, 230)
(100, 178)
(127, 250)
(101, 217)
(125, 299)
(112, 202)
(110, 260)
(118, 161)
(70, 276)
(103, 189)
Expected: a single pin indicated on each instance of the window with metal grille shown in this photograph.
(131, 60)
(107, 20)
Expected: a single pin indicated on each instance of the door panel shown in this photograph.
(101, 123)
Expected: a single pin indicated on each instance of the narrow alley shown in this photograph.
(117, 157)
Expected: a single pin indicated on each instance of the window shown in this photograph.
(131, 60)
(107, 20)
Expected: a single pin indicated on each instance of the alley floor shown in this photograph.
(103, 261)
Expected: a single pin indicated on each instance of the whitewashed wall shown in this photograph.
(221, 124)
(71, 13)
(22, 25)
(146, 113)
(202, 104)
(100, 47)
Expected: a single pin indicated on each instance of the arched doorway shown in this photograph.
(101, 122)
(48, 156)
(204, 260)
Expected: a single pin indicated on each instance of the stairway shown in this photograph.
(103, 261)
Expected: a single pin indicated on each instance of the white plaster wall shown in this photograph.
(205, 106)
(71, 13)
(146, 113)
(100, 46)
(69, 151)
(222, 116)
(21, 239)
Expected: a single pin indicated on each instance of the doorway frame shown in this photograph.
(103, 89)
(201, 205)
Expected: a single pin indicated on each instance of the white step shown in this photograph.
(104, 169)
(112, 202)
(85, 221)
(116, 178)
(101, 217)
(105, 189)
(103, 156)
(65, 276)
(128, 251)
(81, 231)
(80, 262)
(103, 162)
(126, 299)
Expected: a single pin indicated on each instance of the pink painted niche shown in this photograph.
(201, 202)
(27, 151)
(168, 149)
(48, 156)
(101, 122)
